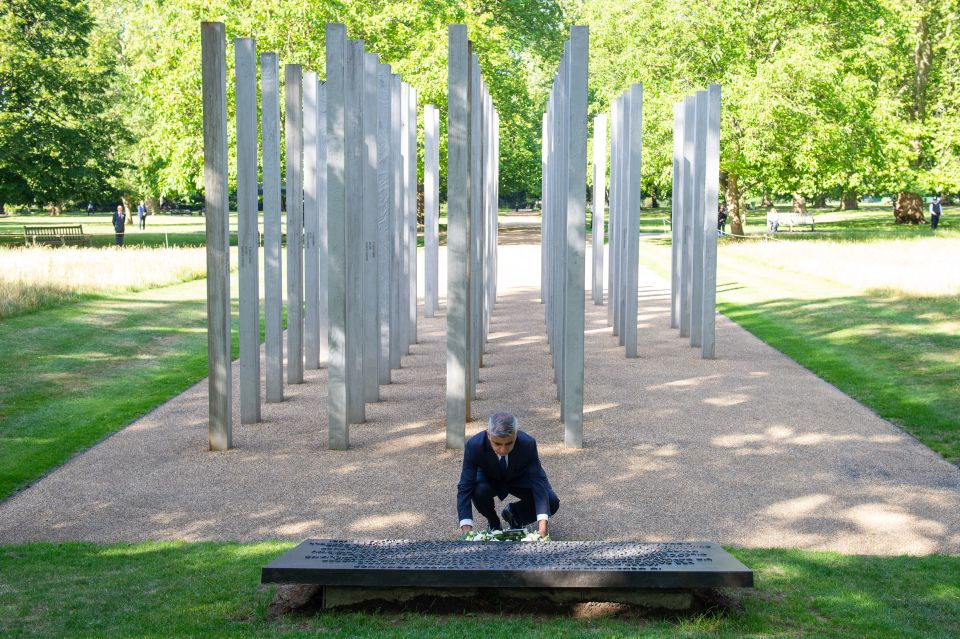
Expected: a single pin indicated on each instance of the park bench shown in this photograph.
(776, 219)
(181, 212)
(650, 574)
(60, 235)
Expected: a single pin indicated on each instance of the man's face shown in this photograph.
(502, 445)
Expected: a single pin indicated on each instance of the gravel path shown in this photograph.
(747, 450)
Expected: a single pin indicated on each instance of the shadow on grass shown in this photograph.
(896, 354)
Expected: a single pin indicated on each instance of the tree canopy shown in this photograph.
(819, 96)
(513, 38)
(57, 135)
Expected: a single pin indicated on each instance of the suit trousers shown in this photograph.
(524, 511)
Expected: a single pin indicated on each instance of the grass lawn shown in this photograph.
(212, 590)
(870, 222)
(84, 370)
(173, 230)
(162, 230)
(91, 365)
(877, 319)
(651, 221)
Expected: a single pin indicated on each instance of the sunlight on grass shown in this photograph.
(923, 266)
(35, 277)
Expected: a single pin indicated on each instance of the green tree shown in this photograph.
(57, 137)
(515, 41)
(919, 105)
(796, 105)
(842, 96)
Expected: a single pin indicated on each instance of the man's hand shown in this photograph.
(544, 527)
(465, 529)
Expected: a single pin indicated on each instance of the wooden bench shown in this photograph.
(61, 235)
(776, 219)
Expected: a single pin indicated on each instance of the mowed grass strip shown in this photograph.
(213, 590)
(877, 320)
(79, 372)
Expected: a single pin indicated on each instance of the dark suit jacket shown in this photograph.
(119, 222)
(480, 464)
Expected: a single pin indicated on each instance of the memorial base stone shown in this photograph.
(299, 599)
(334, 597)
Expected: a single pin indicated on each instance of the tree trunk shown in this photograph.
(821, 201)
(153, 205)
(735, 213)
(126, 209)
(56, 208)
(849, 201)
(767, 201)
(421, 218)
(799, 203)
(908, 209)
(946, 201)
(922, 60)
(3, 208)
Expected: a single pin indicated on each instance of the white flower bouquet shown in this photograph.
(503, 535)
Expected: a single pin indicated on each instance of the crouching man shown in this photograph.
(499, 462)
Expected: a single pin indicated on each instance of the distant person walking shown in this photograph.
(119, 225)
(142, 215)
(89, 208)
(936, 210)
(722, 219)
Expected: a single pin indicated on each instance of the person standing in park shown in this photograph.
(773, 219)
(119, 225)
(722, 219)
(936, 210)
(503, 461)
(142, 215)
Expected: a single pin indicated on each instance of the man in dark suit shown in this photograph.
(119, 225)
(503, 461)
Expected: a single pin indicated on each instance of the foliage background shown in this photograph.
(820, 98)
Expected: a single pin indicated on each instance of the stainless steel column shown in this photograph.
(214, 84)
(248, 244)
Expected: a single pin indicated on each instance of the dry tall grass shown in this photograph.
(927, 266)
(31, 278)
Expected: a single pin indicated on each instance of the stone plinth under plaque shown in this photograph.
(582, 565)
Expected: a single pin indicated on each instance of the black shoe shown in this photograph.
(508, 517)
(494, 525)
